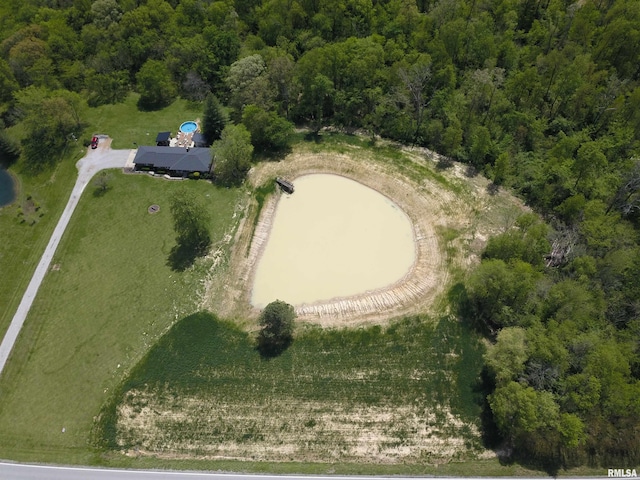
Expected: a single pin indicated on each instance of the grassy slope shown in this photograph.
(98, 314)
(413, 362)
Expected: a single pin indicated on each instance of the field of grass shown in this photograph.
(406, 393)
(109, 295)
(128, 126)
(27, 224)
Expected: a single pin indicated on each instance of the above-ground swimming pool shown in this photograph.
(333, 237)
(188, 127)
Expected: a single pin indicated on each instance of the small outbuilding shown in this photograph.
(163, 139)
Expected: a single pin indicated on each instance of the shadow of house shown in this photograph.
(163, 139)
(175, 162)
(199, 140)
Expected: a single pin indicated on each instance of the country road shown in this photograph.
(44, 472)
(94, 161)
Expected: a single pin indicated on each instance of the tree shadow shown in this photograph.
(471, 171)
(551, 465)
(268, 349)
(182, 257)
(444, 163)
(145, 104)
(313, 136)
(491, 437)
(493, 188)
(8, 159)
(99, 192)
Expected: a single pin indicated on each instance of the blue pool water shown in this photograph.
(188, 127)
(7, 189)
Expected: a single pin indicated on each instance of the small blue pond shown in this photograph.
(188, 127)
(7, 188)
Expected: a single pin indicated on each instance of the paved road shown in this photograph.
(95, 160)
(41, 472)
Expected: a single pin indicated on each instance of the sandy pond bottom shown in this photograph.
(333, 237)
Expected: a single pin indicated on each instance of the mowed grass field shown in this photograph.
(25, 231)
(402, 394)
(129, 126)
(108, 297)
(43, 192)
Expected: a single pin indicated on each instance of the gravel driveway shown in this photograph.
(95, 160)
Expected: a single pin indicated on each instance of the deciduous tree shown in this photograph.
(415, 80)
(269, 131)
(248, 83)
(498, 293)
(155, 85)
(232, 155)
(51, 120)
(101, 181)
(190, 222)
(276, 328)
(508, 355)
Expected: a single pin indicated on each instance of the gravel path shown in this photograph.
(95, 160)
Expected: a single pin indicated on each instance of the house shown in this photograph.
(176, 162)
(163, 139)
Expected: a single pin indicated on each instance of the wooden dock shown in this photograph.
(285, 185)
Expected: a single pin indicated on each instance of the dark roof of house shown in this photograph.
(199, 139)
(174, 158)
(163, 137)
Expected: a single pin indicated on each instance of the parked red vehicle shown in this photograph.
(94, 142)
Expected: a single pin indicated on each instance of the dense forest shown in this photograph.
(541, 96)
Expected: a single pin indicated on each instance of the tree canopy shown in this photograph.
(276, 328)
(191, 224)
(214, 119)
(232, 155)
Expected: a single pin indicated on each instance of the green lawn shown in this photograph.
(126, 124)
(22, 242)
(25, 228)
(108, 298)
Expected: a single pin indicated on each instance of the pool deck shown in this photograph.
(183, 140)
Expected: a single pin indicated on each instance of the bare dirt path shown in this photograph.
(101, 158)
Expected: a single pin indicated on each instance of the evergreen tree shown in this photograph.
(214, 119)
